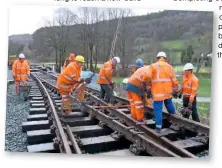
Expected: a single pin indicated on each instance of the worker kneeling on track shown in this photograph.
(21, 71)
(164, 84)
(105, 79)
(136, 92)
(189, 89)
(69, 78)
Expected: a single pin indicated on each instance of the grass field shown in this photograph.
(203, 109)
(175, 44)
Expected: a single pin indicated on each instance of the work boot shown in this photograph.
(158, 130)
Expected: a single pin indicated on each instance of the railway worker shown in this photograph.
(67, 61)
(105, 79)
(164, 85)
(67, 79)
(139, 64)
(136, 91)
(20, 71)
(189, 89)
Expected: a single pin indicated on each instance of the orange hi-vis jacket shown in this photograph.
(137, 77)
(69, 77)
(21, 70)
(163, 80)
(190, 86)
(105, 74)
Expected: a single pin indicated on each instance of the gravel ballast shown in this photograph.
(16, 113)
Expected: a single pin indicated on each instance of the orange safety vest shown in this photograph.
(69, 77)
(163, 80)
(190, 86)
(20, 70)
(105, 74)
(137, 77)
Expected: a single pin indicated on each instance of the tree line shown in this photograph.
(90, 32)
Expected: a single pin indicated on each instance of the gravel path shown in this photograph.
(16, 113)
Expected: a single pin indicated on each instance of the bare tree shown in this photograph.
(89, 22)
(125, 42)
(60, 28)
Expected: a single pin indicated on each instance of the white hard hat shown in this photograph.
(188, 66)
(21, 55)
(161, 54)
(125, 81)
(117, 59)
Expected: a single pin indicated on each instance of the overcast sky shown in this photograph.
(27, 19)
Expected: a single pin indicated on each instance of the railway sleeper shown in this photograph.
(94, 145)
(37, 105)
(43, 148)
(80, 121)
(192, 146)
(37, 98)
(36, 101)
(37, 111)
(90, 131)
(122, 152)
(37, 117)
(40, 136)
(35, 125)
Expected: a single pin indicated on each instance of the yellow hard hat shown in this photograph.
(80, 58)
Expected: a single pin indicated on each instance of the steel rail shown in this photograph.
(56, 118)
(136, 137)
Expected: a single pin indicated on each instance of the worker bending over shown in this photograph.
(67, 61)
(105, 79)
(67, 79)
(136, 91)
(164, 84)
(189, 89)
(20, 71)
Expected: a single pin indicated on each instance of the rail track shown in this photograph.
(93, 130)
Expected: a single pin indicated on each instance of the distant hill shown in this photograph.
(24, 39)
(142, 36)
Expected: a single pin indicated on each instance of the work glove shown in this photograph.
(81, 80)
(190, 106)
(88, 80)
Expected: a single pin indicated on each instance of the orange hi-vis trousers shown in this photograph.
(66, 101)
(136, 105)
